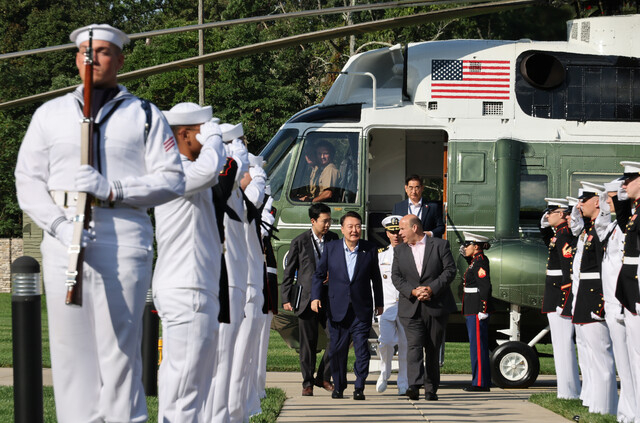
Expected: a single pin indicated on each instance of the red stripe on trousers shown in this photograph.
(478, 348)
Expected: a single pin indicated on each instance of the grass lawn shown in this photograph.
(571, 409)
(270, 405)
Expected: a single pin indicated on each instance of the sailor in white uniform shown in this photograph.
(95, 349)
(186, 277)
(245, 357)
(391, 331)
(236, 252)
(614, 312)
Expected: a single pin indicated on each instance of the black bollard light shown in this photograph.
(150, 333)
(27, 340)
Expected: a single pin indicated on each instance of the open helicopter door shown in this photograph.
(394, 154)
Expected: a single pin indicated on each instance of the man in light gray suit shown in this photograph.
(422, 271)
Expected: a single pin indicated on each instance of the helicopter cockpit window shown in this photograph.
(277, 155)
(327, 169)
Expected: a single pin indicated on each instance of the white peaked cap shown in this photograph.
(392, 223)
(468, 236)
(256, 161)
(573, 201)
(102, 32)
(188, 114)
(613, 186)
(560, 202)
(591, 188)
(631, 167)
(231, 132)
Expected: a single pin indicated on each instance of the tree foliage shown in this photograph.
(261, 91)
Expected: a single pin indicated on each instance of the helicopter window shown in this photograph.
(533, 190)
(278, 173)
(279, 144)
(328, 168)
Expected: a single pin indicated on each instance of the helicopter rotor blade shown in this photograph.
(254, 19)
(310, 37)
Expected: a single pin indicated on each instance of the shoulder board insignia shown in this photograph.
(383, 249)
(567, 250)
(482, 273)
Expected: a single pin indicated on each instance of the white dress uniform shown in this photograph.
(595, 342)
(235, 252)
(614, 314)
(245, 357)
(186, 278)
(391, 331)
(95, 349)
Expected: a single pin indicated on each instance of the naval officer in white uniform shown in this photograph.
(391, 331)
(95, 349)
(186, 277)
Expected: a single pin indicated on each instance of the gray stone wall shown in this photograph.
(10, 249)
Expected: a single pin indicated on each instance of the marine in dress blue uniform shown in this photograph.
(476, 303)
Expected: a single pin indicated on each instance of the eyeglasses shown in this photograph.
(393, 232)
(467, 243)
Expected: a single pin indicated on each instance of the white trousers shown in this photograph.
(189, 341)
(218, 400)
(583, 362)
(262, 357)
(95, 349)
(617, 331)
(632, 326)
(564, 356)
(244, 368)
(603, 392)
(391, 334)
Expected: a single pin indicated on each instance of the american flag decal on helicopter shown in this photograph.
(471, 79)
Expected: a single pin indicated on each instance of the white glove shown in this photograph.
(257, 173)
(596, 317)
(577, 222)
(210, 133)
(559, 310)
(89, 180)
(269, 204)
(64, 234)
(604, 206)
(482, 316)
(638, 308)
(240, 154)
(544, 222)
(622, 194)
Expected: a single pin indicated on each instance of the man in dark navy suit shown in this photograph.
(349, 269)
(428, 213)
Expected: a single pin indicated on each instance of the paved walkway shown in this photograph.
(455, 405)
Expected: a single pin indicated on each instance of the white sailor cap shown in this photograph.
(102, 32)
(556, 203)
(613, 186)
(589, 189)
(469, 237)
(392, 223)
(231, 132)
(572, 201)
(188, 114)
(256, 161)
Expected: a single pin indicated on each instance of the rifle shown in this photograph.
(83, 210)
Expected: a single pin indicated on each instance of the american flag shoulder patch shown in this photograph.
(169, 144)
(471, 79)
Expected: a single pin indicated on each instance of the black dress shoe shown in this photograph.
(473, 388)
(358, 394)
(430, 396)
(336, 394)
(413, 393)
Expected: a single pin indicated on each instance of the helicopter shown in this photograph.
(492, 128)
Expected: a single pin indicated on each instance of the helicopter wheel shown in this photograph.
(514, 365)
